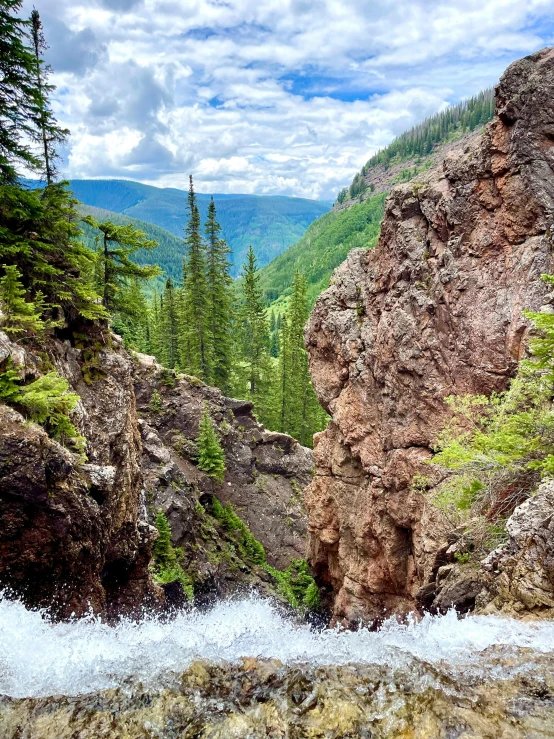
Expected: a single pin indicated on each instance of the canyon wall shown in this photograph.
(76, 534)
(435, 309)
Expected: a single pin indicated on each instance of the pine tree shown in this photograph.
(18, 315)
(18, 93)
(49, 133)
(119, 243)
(170, 326)
(254, 340)
(300, 414)
(211, 457)
(196, 347)
(220, 302)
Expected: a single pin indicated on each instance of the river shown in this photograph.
(86, 656)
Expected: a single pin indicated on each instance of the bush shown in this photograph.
(249, 546)
(167, 567)
(497, 448)
(47, 401)
(297, 585)
(211, 457)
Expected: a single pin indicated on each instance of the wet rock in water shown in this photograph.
(434, 310)
(266, 699)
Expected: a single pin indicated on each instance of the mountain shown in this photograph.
(356, 216)
(270, 223)
(323, 247)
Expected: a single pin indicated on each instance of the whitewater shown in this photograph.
(41, 658)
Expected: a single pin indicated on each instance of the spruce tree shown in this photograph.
(211, 457)
(300, 414)
(19, 96)
(220, 302)
(119, 243)
(48, 133)
(169, 323)
(254, 340)
(18, 315)
(196, 346)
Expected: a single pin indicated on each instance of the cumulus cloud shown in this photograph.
(280, 96)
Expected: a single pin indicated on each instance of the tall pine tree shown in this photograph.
(48, 133)
(196, 344)
(19, 95)
(220, 302)
(254, 341)
(169, 334)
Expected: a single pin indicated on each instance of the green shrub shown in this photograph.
(296, 584)
(211, 457)
(497, 448)
(167, 564)
(156, 402)
(249, 546)
(47, 401)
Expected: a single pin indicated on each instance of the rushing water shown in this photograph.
(38, 658)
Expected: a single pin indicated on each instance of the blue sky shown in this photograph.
(282, 97)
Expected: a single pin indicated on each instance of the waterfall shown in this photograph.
(40, 658)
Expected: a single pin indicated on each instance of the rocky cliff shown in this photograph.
(434, 310)
(77, 535)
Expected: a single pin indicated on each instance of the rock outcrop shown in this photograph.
(71, 534)
(434, 310)
(265, 475)
(78, 535)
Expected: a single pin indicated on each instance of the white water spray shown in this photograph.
(38, 658)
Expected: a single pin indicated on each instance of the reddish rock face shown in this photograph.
(434, 310)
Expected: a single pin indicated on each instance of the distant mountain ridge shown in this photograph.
(270, 223)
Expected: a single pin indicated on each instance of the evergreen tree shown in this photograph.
(211, 457)
(119, 243)
(220, 302)
(196, 346)
(48, 132)
(170, 327)
(19, 96)
(254, 339)
(18, 315)
(131, 318)
(300, 414)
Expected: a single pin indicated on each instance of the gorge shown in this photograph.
(95, 642)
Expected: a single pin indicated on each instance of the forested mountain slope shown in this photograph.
(269, 223)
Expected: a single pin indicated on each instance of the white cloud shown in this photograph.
(279, 96)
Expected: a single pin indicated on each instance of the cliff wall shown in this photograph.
(435, 309)
(77, 534)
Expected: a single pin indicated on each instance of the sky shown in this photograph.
(271, 97)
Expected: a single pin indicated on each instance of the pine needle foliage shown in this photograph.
(167, 558)
(297, 585)
(220, 302)
(249, 546)
(18, 315)
(118, 245)
(196, 337)
(211, 457)
(19, 96)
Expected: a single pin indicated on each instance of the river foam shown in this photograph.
(38, 658)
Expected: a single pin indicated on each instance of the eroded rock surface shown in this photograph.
(71, 534)
(264, 480)
(434, 310)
